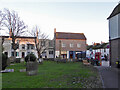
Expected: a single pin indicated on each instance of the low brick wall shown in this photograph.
(67, 60)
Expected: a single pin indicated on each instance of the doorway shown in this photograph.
(6, 53)
(23, 54)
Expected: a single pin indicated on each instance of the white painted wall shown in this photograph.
(57, 54)
(7, 48)
(67, 54)
(98, 50)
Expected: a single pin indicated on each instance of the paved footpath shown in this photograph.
(110, 76)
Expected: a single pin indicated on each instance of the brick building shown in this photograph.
(69, 45)
(114, 35)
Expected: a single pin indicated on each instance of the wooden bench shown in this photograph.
(85, 62)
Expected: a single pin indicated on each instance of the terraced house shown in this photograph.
(26, 45)
(69, 45)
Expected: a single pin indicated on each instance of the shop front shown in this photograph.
(64, 54)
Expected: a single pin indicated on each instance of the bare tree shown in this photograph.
(41, 41)
(1, 19)
(14, 25)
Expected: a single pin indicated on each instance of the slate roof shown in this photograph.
(67, 35)
(115, 11)
(98, 46)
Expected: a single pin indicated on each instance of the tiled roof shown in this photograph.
(115, 11)
(66, 35)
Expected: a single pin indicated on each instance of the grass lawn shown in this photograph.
(51, 75)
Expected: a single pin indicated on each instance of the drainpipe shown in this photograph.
(109, 51)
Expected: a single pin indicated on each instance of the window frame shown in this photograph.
(23, 45)
(78, 45)
(50, 51)
(63, 45)
(71, 45)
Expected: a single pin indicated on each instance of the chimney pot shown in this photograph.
(54, 30)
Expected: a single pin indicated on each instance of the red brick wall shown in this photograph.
(74, 48)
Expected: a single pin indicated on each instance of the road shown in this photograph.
(109, 76)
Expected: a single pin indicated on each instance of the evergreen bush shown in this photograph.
(30, 57)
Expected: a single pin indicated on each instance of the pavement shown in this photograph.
(110, 76)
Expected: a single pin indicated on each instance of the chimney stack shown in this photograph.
(54, 30)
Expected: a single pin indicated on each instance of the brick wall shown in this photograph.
(74, 42)
(115, 51)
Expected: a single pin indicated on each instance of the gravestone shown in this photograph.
(22, 70)
(8, 62)
(32, 68)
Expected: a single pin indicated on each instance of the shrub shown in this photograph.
(30, 56)
(4, 61)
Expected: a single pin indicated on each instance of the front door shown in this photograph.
(23, 54)
(6, 53)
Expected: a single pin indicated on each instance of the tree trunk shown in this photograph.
(39, 57)
(39, 54)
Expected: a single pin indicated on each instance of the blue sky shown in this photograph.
(89, 18)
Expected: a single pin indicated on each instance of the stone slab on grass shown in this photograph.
(22, 70)
(12, 64)
(7, 70)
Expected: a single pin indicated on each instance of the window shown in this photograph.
(71, 45)
(23, 46)
(18, 46)
(104, 50)
(63, 45)
(78, 45)
(17, 54)
(32, 46)
(50, 43)
(42, 43)
(28, 46)
(12, 54)
(28, 53)
(43, 52)
(50, 52)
